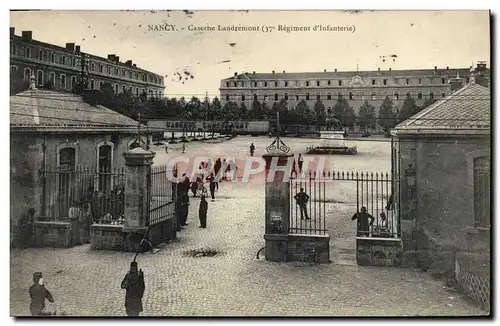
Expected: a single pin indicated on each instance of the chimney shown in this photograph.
(456, 83)
(128, 63)
(27, 35)
(77, 48)
(335, 69)
(273, 72)
(379, 69)
(480, 74)
(324, 70)
(134, 65)
(447, 68)
(111, 57)
(283, 71)
(435, 67)
(70, 47)
(390, 69)
(117, 58)
(235, 74)
(13, 32)
(253, 73)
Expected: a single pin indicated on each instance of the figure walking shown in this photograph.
(363, 224)
(38, 294)
(203, 212)
(133, 283)
(212, 185)
(183, 148)
(166, 147)
(301, 199)
(252, 149)
(301, 161)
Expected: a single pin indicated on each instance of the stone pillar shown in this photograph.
(277, 209)
(138, 165)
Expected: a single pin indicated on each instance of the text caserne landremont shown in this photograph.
(272, 28)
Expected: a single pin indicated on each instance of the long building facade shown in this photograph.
(60, 67)
(355, 86)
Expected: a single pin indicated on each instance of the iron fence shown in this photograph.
(308, 205)
(161, 194)
(374, 212)
(83, 194)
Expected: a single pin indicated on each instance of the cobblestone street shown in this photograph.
(234, 283)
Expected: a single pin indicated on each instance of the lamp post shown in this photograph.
(411, 180)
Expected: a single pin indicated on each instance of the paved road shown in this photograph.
(233, 283)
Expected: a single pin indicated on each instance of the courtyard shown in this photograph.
(233, 282)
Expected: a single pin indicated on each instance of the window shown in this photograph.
(265, 84)
(362, 94)
(351, 96)
(419, 96)
(116, 89)
(130, 90)
(286, 96)
(385, 81)
(275, 84)
(482, 191)
(443, 81)
(286, 84)
(137, 91)
(431, 81)
(443, 95)
(297, 97)
(52, 58)
(329, 97)
(13, 49)
(52, 79)
(28, 52)
(374, 96)
(431, 95)
(407, 81)
(39, 78)
(74, 62)
(265, 97)
(467, 80)
(307, 83)
(105, 157)
(73, 82)
(143, 91)
(307, 96)
(92, 84)
(243, 97)
(318, 97)
(420, 80)
(63, 81)
(396, 96)
(63, 60)
(67, 165)
(254, 84)
(124, 88)
(108, 70)
(227, 97)
(340, 83)
(116, 72)
(27, 74)
(317, 83)
(255, 97)
(373, 81)
(329, 82)
(339, 96)
(276, 96)
(227, 84)
(13, 69)
(40, 55)
(92, 66)
(408, 94)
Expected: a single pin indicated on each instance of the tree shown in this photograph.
(366, 116)
(319, 112)
(343, 112)
(408, 109)
(387, 118)
(349, 117)
(243, 114)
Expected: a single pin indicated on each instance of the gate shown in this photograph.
(161, 196)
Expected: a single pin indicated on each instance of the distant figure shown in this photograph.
(26, 227)
(363, 224)
(184, 208)
(301, 161)
(166, 147)
(217, 167)
(203, 212)
(133, 283)
(38, 294)
(382, 229)
(183, 148)
(252, 149)
(301, 199)
(212, 185)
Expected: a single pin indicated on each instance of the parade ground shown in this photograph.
(233, 282)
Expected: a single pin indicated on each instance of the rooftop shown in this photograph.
(36, 110)
(466, 111)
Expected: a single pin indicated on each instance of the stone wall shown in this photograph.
(53, 234)
(472, 272)
(379, 252)
(106, 237)
(309, 248)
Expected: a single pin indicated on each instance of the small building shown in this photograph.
(442, 157)
(61, 133)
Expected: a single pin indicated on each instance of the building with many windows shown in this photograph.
(355, 86)
(60, 68)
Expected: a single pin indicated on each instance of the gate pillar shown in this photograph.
(277, 207)
(138, 166)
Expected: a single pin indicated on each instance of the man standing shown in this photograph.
(301, 199)
(363, 224)
(38, 294)
(212, 185)
(203, 212)
(252, 149)
(166, 147)
(133, 283)
(301, 161)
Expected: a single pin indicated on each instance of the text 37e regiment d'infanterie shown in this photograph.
(271, 28)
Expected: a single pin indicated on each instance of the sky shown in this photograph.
(419, 39)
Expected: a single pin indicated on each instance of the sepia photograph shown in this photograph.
(250, 163)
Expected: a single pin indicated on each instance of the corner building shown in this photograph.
(60, 67)
(355, 86)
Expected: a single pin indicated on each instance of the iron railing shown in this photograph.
(161, 194)
(83, 193)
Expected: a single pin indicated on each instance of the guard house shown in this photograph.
(443, 159)
(60, 132)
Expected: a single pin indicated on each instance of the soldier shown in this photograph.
(38, 294)
(203, 212)
(252, 149)
(301, 199)
(363, 224)
(133, 283)
(212, 185)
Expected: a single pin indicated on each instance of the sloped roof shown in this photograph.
(466, 111)
(50, 110)
(337, 74)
